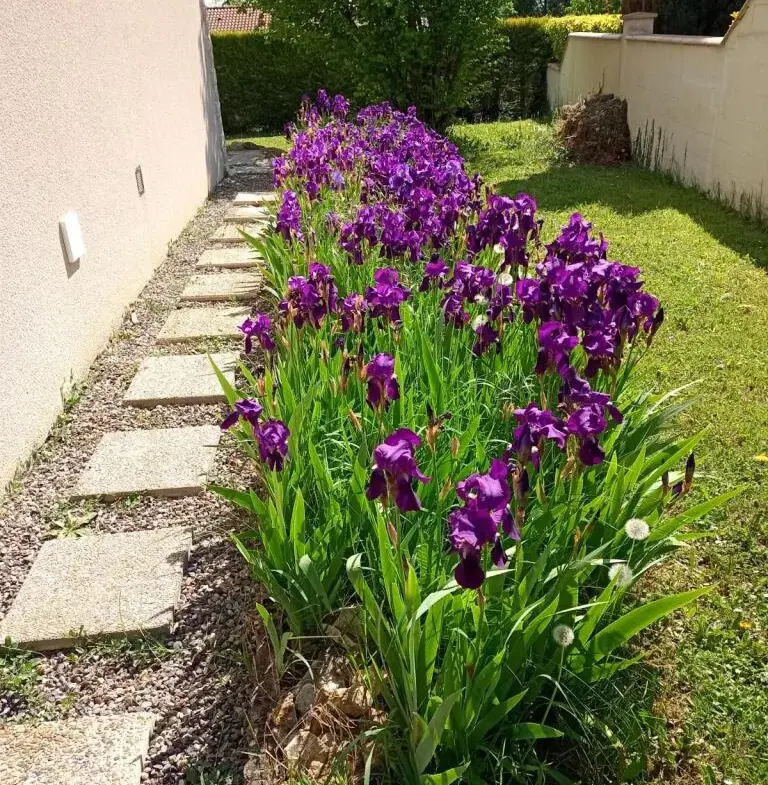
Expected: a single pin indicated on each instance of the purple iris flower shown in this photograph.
(386, 295)
(259, 327)
(555, 346)
(486, 500)
(272, 437)
(383, 387)
(535, 426)
(310, 300)
(435, 272)
(486, 336)
(453, 311)
(249, 409)
(289, 218)
(353, 310)
(396, 468)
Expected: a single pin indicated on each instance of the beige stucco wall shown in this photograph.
(88, 91)
(699, 106)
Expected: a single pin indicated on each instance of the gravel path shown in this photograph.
(200, 682)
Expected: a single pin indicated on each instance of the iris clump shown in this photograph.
(450, 440)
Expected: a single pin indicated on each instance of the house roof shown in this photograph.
(236, 20)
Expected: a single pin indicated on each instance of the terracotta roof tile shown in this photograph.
(236, 20)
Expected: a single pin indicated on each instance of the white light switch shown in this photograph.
(72, 237)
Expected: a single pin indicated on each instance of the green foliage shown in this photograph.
(513, 72)
(408, 52)
(261, 79)
(443, 58)
(593, 7)
(708, 264)
(458, 671)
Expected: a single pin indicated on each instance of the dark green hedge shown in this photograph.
(262, 78)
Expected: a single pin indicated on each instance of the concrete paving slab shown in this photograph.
(245, 215)
(222, 287)
(157, 462)
(254, 198)
(230, 258)
(102, 585)
(109, 750)
(191, 324)
(229, 234)
(179, 380)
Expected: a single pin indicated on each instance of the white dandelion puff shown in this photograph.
(563, 635)
(499, 249)
(623, 571)
(505, 279)
(637, 529)
(479, 321)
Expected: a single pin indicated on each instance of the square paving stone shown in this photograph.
(191, 324)
(230, 258)
(158, 462)
(100, 585)
(180, 379)
(230, 233)
(222, 287)
(254, 198)
(244, 215)
(108, 750)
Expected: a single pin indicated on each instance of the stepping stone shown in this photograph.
(108, 750)
(180, 380)
(102, 585)
(244, 215)
(159, 462)
(230, 233)
(191, 324)
(247, 198)
(222, 286)
(230, 258)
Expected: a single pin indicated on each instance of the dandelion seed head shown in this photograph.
(563, 635)
(623, 571)
(637, 529)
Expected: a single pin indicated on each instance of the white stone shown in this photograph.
(230, 258)
(244, 215)
(255, 198)
(159, 462)
(102, 585)
(230, 233)
(222, 287)
(191, 324)
(180, 379)
(101, 750)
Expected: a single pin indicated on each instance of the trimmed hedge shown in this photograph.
(529, 44)
(261, 78)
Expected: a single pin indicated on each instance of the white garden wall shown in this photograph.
(698, 107)
(91, 90)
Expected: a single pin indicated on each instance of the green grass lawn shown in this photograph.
(709, 266)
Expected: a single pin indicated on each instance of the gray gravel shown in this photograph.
(200, 682)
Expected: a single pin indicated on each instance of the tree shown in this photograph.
(418, 52)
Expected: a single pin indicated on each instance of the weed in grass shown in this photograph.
(19, 680)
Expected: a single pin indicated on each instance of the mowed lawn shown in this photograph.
(709, 266)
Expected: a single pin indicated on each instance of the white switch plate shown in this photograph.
(72, 236)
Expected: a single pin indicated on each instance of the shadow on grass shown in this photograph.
(631, 191)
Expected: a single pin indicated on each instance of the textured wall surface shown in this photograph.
(698, 105)
(90, 90)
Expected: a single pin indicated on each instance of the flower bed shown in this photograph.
(447, 443)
